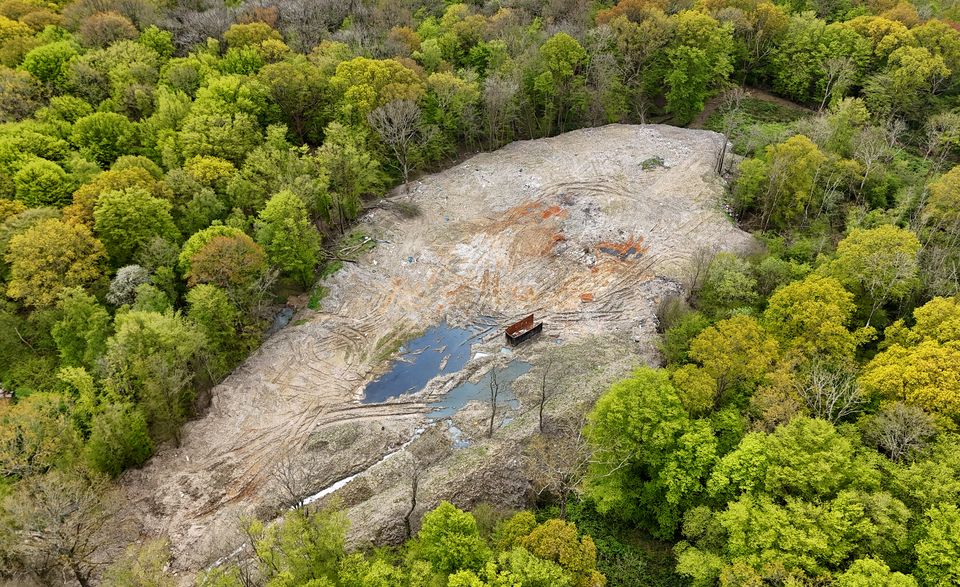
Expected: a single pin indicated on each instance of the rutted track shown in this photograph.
(525, 229)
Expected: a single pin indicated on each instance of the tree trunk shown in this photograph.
(493, 415)
(79, 575)
(543, 400)
(414, 483)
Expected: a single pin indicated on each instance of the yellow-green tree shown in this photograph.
(942, 209)
(938, 551)
(364, 84)
(921, 364)
(36, 434)
(880, 264)
(927, 375)
(812, 317)
(558, 541)
(783, 183)
(50, 257)
(736, 353)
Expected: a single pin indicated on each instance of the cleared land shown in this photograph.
(588, 230)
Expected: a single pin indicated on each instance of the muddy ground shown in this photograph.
(588, 230)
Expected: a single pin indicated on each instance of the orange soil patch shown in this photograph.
(633, 246)
(557, 239)
(553, 211)
(586, 297)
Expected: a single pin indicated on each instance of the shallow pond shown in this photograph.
(458, 397)
(441, 350)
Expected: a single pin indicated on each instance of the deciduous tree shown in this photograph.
(119, 439)
(42, 183)
(37, 435)
(560, 86)
(880, 264)
(290, 241)
(236, 264)
(353, 171)
(938, 551)
(364, 84)
(126, 220)
(50, 257)
(104, 136)
(64, 522)
(558, 541)
(450, 540)
(153, 359)
(398, 123)
(812, 316)
(82, 331)
(736, 352)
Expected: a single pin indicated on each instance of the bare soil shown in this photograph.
(587, 230)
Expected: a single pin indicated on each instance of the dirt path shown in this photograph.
(580, 229)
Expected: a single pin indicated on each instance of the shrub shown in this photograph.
(119, 439)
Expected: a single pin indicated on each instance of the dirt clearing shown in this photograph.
(586, 230)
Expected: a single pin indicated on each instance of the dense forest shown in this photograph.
(171, 172)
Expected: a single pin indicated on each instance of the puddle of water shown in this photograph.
(458, 397)
(282, 318)
(457, 436)
(632, 251)
(441, 350)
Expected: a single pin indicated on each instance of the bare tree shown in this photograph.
(293, 476)
(398, 124)
(900, 430)
(193, 23)
(306, 22)
(64, 521)
(414, 488)
(557, 461)
(542, 399)
(556, 368)
(943, 136)
(696, 272)
(870, 148)
(830, 395)
(730, 104)
(499, 106)
(895, 127)
(494, 396)
(838, 76)
(940, 268)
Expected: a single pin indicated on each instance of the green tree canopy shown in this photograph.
(450, 540)
(42, 183)
(50, 257)
(127, 220)
(104, 136)
(290, 241)
(880, 264)
(152, 360)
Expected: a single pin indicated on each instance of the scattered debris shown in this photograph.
(488, 243)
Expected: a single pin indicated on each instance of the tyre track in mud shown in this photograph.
(499, 236)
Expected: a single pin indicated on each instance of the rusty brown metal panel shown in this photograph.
(520, 326)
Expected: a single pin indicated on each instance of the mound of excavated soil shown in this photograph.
(587, 230)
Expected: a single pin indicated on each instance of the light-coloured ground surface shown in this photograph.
(501, 235)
